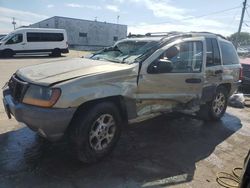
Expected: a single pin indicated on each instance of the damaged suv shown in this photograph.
(90, 99)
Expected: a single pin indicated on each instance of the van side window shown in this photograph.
(17, 38)
(213, 52)
(229, 54)
(44, 37)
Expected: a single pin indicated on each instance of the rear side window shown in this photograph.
(229, 54)
(213, 52)
(44, 37)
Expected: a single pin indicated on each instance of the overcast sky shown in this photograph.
(141, 16)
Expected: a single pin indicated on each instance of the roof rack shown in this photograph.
(135, 35)
(156, 34)
(159, 34)
(205, 32)
(172, 33)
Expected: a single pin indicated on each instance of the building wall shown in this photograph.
(48, 23)
(84, 34)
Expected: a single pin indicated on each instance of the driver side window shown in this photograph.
(17, 38)
(185, 57)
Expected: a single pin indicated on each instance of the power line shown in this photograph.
(246, 24)
(217, 12)
(200, 16)
(247, 13)
(229, 24)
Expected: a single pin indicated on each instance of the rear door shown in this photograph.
(214, 69)
(164, 90)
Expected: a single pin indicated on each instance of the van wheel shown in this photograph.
(94, 132)
(7, 53)
(56, 53)
(216, 108)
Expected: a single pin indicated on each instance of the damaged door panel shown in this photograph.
(180, 81)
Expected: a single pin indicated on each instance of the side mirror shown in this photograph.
(160, 66)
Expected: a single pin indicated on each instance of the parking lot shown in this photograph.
(167, 151)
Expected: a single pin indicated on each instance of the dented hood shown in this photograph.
(62, 70)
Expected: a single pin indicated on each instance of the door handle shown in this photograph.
(218, 71)
(193, 80)
(23, 43)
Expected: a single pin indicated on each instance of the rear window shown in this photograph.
(44, 37)
(229, 54)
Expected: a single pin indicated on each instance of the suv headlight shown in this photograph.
(41, 96)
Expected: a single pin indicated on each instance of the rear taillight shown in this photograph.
(67, 44)
(241, 74)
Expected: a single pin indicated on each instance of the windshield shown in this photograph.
(125, 51)
(7, 37)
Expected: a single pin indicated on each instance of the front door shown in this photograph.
(15, 43)
(174, 76)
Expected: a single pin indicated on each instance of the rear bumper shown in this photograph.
(50, 123)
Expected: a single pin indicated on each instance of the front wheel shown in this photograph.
(216, 108)
(95, 132)
(7, 53)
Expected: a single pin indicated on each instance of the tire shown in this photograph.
(216, 108)
(7, 53)
(56, 53)
(94, 132)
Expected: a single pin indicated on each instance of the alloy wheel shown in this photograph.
(102, 132)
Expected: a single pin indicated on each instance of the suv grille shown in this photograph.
(17, 88)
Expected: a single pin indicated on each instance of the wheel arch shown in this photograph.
(55, 49)
(124, 105)
(227, 86)
(209, 91)
(8, 49)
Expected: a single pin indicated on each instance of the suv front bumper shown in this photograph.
(50, 123)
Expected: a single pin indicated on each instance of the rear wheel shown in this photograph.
(56, 53)
(216, 108)
(95, 132)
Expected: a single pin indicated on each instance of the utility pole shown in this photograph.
(241, 21)
(14, 23)
(117, 19)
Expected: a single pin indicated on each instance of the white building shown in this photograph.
(85, 34)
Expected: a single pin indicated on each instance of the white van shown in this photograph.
(34, 41)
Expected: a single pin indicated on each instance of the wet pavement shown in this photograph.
(160, 152)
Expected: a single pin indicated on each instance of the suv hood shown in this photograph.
(62, 70)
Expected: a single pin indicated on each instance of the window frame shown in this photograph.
(40, 36)
(213, 51)
(7, 42)
(177, 43)
(83, 34)
(227, 42)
